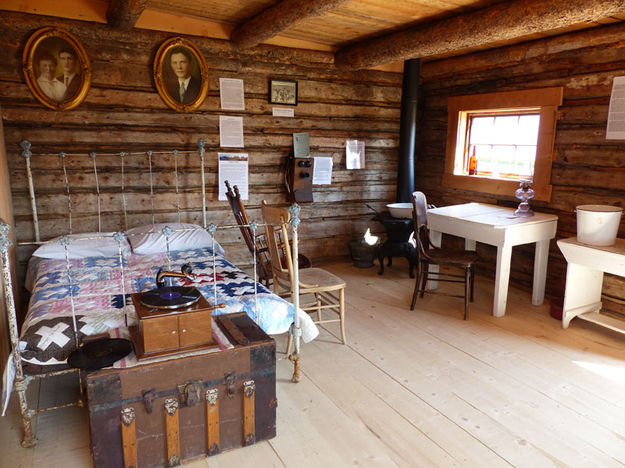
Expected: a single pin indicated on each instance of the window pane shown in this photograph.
(528, 129)
(481, 130)
(504, 130)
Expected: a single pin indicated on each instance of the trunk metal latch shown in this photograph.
(190, 393)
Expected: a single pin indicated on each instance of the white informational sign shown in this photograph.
(355, 154)
(233, 167)
(322, 170)
(283, 111)
(231, 94)
(616, 112)
(230, 131)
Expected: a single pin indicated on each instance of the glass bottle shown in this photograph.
(473, 163)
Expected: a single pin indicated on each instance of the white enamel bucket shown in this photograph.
(598, 224)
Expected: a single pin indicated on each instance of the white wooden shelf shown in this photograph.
(605, 321)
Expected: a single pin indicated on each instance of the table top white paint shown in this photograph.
(497, 217)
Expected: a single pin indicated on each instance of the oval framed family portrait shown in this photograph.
(181, 74)
(56, 68)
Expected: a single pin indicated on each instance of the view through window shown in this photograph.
(503, 145)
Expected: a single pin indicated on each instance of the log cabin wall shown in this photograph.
(123, 112)
(586, 169)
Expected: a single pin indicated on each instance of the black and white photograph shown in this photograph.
(283, 92)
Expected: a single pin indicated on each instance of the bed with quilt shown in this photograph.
(88, 279)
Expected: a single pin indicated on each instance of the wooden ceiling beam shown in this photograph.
(500, 22)
(272, 21)
(123, 14)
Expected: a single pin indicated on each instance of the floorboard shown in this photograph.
(412, 388)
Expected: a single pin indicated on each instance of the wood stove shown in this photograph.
(398, 231)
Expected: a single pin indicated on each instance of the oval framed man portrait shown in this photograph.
(181, 74)
(56, 68)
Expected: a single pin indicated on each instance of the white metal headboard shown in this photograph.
(26, 152)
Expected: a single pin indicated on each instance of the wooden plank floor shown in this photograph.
(421, 388)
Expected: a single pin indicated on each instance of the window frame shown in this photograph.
(545, 100)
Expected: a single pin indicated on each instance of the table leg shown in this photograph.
(540, 271)
(469, 244)
(436, 238)
(502, 278)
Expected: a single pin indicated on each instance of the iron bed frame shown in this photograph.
(22, 379)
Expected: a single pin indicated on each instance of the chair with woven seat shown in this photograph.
(432, 255)
(327, 289)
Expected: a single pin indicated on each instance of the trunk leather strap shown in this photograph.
(212, 421)
(129, 441)
(249, 428)
(172, 428)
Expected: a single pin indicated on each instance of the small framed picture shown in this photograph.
(56, 68)
(283, 92)
(181, 74)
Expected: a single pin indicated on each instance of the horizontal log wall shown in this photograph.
(587, 168)
(123, 112)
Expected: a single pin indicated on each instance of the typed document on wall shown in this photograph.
(233, 167)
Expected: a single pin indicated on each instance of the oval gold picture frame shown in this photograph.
(170, 71)
(56, 68)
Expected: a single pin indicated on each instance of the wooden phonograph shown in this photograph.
(171, 319)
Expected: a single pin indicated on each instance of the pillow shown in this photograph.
(151, 240)
(88, 244)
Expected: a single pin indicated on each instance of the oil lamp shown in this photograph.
(524, 193)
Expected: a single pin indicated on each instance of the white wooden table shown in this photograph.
(584, 280)
(498, 226)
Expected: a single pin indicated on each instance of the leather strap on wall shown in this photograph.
(172, 428)
(249, 428)
(129, 441)
(212, 421)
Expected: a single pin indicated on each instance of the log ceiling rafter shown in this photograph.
(123, 14)
(500, 22)
(277, 18)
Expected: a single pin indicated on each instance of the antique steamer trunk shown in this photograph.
(157, 414)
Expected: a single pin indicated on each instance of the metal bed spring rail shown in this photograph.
(21, 379)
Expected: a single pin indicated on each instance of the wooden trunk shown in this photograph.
(160, 413)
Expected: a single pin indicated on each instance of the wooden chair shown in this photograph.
(263, 261)
(327, 289)
(431, 255)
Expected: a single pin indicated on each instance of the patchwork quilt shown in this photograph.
(93, 288)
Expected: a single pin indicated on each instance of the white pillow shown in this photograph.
(87, 244)
(151, 240)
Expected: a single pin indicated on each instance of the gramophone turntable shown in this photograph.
(171, 319)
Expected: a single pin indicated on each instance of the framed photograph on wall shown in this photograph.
(56, 68)
(181, 74)
(283, 92)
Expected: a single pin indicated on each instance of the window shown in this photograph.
(495, 140)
